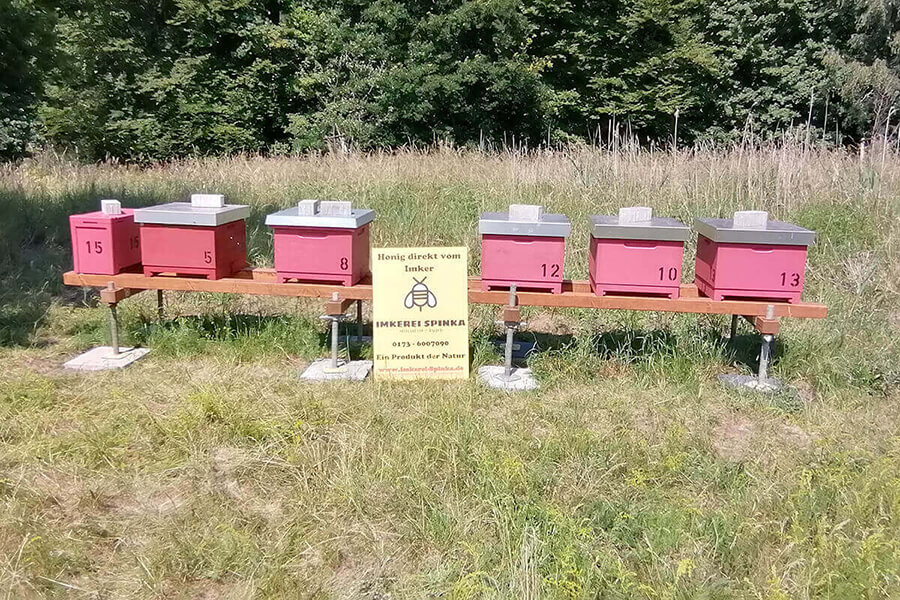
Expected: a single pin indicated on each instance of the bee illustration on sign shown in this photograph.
(420, 295)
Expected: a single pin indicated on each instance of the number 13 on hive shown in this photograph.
(421, 313)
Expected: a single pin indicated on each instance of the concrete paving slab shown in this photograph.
(320, 370)
(495, 377)
(769, 385)
(101, 358)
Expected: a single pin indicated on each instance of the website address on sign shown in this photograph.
(420, 369)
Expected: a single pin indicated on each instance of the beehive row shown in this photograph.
(632, 253)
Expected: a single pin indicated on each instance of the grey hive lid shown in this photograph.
(638, 223)
(315, 213)
(759, 231)
(523, 219)
(184, 213)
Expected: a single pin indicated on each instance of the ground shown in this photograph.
(208, 470)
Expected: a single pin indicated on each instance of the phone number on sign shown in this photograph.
(421, 343)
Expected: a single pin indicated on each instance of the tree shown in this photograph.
(153, 79)
(26, 47)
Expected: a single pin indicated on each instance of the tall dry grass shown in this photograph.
(208, 470)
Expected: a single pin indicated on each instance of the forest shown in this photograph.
(148, 80)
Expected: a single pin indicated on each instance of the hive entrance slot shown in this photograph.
(630, 294)
(546, 288)
(311, 279)
(739, 298)
(178, 274)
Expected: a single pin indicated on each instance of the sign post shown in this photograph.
(420, 313)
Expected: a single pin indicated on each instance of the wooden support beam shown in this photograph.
(338, 307)
(260, 282)
(763, 325)
(111, 294)
(575, 294)
(512, 314)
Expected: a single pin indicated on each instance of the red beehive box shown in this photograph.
(636, 253)
(105, 242)
(751, 257)
(204, 237)
(524, 247)
(325, 242)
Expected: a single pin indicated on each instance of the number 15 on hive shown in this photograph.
(420, 308)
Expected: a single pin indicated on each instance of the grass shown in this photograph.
(208, 470)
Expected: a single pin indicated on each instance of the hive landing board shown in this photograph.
(421, 313)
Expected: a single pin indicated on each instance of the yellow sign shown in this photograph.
(421, 313)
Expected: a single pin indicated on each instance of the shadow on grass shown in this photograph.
(635, 346)
(744, 350)
(35, 250)
(526, 344)
(244, 335)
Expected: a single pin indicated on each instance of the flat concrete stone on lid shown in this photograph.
(110, 210)
(307, 208)
(635, 214)
(208, 200)
(750, 219)
(525, 219)
(638, 223)
(754, 227)
(111, 207)
(525, 212)
(206, 210)
(322, 213)
(335, 208)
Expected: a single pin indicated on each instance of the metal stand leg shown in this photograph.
(334, 343)
(103, 358)
(505, 377)
(359, 320)
(509, 349)
(765, 355)
(510, 333)
(760, 382)
(734, 322)
(160, 304)
(333, 368)
(511, 327)
(335, 316)
(114, 330)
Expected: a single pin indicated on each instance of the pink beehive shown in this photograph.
(636, 253)
(105, 242)
(203, 237)
(324, 242)
(751, 257)
(524, 247)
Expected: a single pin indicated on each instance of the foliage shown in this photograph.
(147, 80)
(24, 50)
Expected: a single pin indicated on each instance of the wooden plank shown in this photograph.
(576, 294)
(573, 296)
(260, 282)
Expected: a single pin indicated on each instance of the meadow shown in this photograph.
(208, 470)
